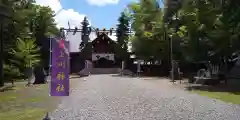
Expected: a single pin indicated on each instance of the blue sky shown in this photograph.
(101, 13)
(100, 16)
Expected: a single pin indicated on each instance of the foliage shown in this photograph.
(11, 72)
(86, 31)
(122, 33)
(28, 20)
(26, 53)
(200, 30)
(147, 23)
(209, 29)
(42, 25)
(122, 30)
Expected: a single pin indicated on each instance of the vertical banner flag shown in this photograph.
(60, 68)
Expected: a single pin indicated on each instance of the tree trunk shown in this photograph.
(30, 76)
(40, 75)
(226, 68)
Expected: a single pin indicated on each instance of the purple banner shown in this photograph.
(60, 68)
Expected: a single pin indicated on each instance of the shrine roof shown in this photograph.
(102, 35)
(75, 40)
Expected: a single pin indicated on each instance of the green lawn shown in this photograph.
(26, 103)
(224, 96)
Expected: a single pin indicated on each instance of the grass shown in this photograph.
(26, 114)
(224, 96)
(26, 103)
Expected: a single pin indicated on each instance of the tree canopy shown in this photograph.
(184, 30)
(122, 33)
(200, 30)
(29, 26)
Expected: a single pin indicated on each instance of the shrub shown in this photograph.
(11, 72)
(26, 54)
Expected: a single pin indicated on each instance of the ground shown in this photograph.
(229, 93)
(110, 97)
(26, 103)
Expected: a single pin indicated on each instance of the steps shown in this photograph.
(84, 71)
(127, 72)
(105, 70)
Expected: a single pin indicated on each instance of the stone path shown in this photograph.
(105, 97)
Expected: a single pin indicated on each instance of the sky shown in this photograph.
(100, 13)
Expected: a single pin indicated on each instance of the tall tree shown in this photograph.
(122, 31)
(28, 20)
(208, 30)
(26, 57)
(42, 25)
(147, 25)
(85, 32)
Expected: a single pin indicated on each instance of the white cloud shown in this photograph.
(70, 15)
(54, 4)
(102, 2)
(74, 18)
(63, 15)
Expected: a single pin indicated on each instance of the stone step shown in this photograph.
(84, 72)
(105, 70)
(127, 72)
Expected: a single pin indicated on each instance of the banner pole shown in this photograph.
(50, 56)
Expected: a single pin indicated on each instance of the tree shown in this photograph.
(149, 30)
(42, 25)
(85, 33)
(207, 30)
(210, 30)
(122, 33)
(170, 8)
(28, 20)
(11, 72)
(26, 56)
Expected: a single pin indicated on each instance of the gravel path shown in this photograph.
(104, 97)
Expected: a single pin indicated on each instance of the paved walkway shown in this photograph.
(105, 97)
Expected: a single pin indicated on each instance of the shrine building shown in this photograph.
(101, 50)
